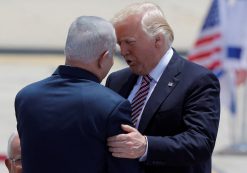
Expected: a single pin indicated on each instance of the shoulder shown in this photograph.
(197, 76)
(191, 73)
(197, 70)
(104, 101)
(189, 66)
(193, 70)
(31, 89)
(123, 73)
(117, 79)
(105, 93)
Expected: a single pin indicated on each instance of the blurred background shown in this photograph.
(32, 38)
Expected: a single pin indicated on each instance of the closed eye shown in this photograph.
(130, 42)
(126, 42)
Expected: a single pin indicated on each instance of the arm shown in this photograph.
(201, 113)
(121, 115)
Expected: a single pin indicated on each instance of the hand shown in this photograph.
(131, 145)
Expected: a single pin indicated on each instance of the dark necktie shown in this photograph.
(139, 99)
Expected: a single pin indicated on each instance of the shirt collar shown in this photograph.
(161, 66)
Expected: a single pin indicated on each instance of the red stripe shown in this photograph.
(241, 76)
(137, 104)
(214, 65)
(203, 55)
(2, 157)
(207, 39)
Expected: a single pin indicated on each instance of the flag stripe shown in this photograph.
(204, 54)
(2, 157)
(214, 65)
(208, 39)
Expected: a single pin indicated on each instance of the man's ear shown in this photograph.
(8, 164)
(102, 59)
(159, 40)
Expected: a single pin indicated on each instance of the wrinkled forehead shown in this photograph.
(130, 20)
(128, 27)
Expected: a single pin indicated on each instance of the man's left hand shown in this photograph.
(131, 145)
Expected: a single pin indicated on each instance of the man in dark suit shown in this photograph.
(175, 103)
(64, 120)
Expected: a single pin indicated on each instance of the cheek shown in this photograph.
(141, 51)
(141, 56)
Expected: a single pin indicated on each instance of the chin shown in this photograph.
(136, 71)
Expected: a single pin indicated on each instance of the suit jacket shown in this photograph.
(64, 121)
(180, 119)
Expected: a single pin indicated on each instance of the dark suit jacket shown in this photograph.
(180, 121)
(64, 121)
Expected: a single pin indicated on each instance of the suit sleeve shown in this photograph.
(120, 115)
(201, 113)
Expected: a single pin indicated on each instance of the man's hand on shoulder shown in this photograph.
(131, 145)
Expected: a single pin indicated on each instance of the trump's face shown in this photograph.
(136, 46)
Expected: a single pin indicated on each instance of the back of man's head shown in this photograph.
(88, 38)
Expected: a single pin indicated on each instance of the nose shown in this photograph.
(124, 49)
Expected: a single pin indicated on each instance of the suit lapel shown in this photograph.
(164, 87)
(128, 85)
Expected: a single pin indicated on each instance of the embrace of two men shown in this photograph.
(70, 123)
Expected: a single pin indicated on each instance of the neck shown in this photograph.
(91, 67)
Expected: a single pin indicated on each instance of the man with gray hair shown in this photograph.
(13, 161)
(175, 103)
(65, 119)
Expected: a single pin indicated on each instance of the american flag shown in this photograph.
(214, 50)
(222, 47)
(208, 50)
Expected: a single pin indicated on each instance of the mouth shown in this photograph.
(129, 62)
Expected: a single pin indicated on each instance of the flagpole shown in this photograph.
(240, 148)
(244, 118)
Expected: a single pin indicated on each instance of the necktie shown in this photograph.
(139, 99)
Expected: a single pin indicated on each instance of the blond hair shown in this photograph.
(152, 19)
